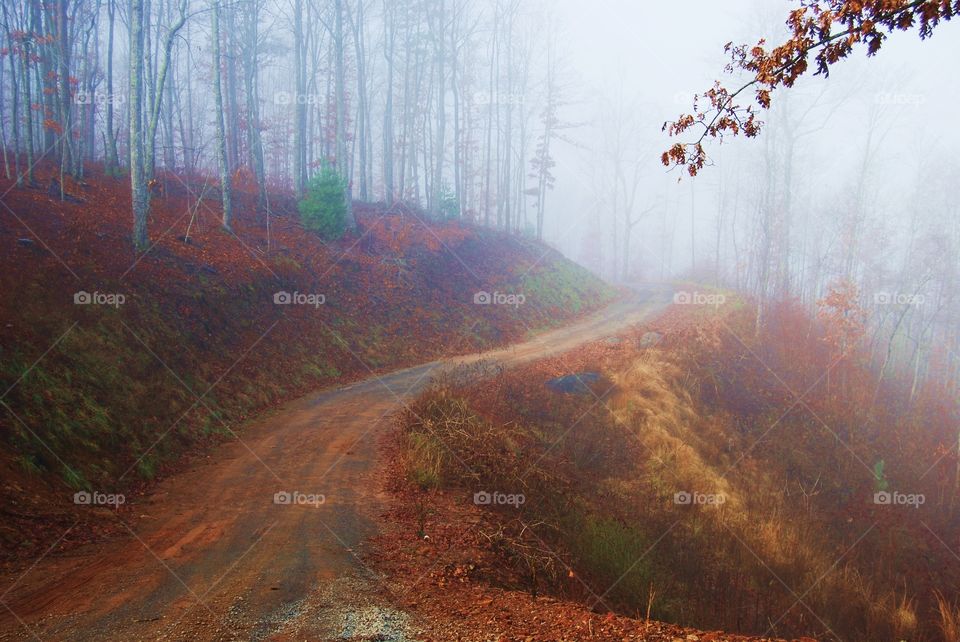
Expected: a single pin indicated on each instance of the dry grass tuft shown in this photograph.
(949, 617)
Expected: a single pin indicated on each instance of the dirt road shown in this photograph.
(212, 555)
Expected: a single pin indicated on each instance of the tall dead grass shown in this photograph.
(777, 557)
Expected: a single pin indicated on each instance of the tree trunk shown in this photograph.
(63, 88)
(341, 106)
(138, 188)
(27, 112)
(225, 187)
(229, 64)
(389, 37)
(112, 164)
(299, 106)
(440, 46)
(254, 143)
(363, 125)
(16, 89)
(490, 107)
(41, 25)
(157, 92)
(3, 124)
(167, 110)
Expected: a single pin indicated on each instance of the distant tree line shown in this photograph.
(448, 104)
(893, 262)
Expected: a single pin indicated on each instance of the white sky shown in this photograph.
(657, 53)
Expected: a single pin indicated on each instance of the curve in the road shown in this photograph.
(210, 555)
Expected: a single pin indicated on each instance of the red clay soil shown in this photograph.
(446, 567)
(199, 320)
(444, 580)
(209, 555)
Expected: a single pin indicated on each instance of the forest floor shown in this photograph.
(250, 440)
(664, 485)
(255, 444)
(186, 341)
(210, 555)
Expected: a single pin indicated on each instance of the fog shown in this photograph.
(542, 119)
(623, 70)
(652, 59)
(574, 346)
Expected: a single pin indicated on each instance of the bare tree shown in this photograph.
(221, 140)
(138, 184)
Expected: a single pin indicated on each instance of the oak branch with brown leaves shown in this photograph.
(826, 31)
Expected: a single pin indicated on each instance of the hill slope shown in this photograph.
(114, 364)
(683, 477)
(216, 557)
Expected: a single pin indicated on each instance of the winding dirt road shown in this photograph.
(211, 555)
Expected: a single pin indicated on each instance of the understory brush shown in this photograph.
(721, 479)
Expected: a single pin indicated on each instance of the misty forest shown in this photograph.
(480, 320)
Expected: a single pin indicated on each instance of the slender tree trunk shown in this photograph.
(112, 162)
(190, 153)
(225, 187)
(45, 75)
(455, 89)
(138, 188)
(167, 109)
(3, 123)
(27, 112)
(149, 79)
(363, 131)
(63, 88)
(229, 62)
(494, 51)
(389, 37)
(87, 142)
(16, 89)
(405, 128)
(156, 103)
(254, 143)
(440, 45)
(341, 106)
(504, 199)
(299, 106)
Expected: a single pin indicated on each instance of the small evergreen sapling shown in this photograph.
(323, 208)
